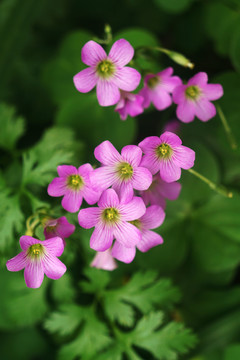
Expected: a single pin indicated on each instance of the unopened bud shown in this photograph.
(180, 59)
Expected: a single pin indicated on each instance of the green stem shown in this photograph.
(219, 189)
(227, 128)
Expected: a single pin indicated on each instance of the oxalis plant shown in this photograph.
(95, 310)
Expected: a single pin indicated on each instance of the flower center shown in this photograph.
(153, 82)
(164, 151)
(75, 182)
(50, 229)
(110, 215)
(125, 171)
(105, 68)
(35, 250)
(192, 92)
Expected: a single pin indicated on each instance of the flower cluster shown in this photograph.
(129, 188)
(115, 83)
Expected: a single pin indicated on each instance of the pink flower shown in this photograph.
(194, 98)
(38, 258)
(110, 220)
(104, 260)
(167, 155)
(58, 227)
(122, 172)
(129, 104)
(153, 218)
(159, 191)
(157, 89)
(74, 185)
(107, 72)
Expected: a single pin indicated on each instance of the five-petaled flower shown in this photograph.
(158, 87)
(122, 172)
(74, 185)
(194, 98)
(107, 72)
(167, 155)
(38, 258)
(111, 221)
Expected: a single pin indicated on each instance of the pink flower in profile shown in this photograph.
(58, 227)
(167, 155)
(111, 221)
(158, 87)
(107, 72)
(194, 98)
(74, 185)
(38, 258)
(159, 191)
(129, 104)
(122, 172)
(104, 260)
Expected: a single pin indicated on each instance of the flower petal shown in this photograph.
(57, 187)
(151, 162)
(200, 79)
(213, 91)
(161, 99)
(149, 144)
(102, 178)
(85, 80)
(184, 157)
(72, 200)
(107, 92)
(106, 153)
(89, 217)
(66, 170)
(92, 53)
(124, 190)
(121, 52)
(186, 111)
(149, 240)
(64, 228)
(127, 234)
(153, 217)
(132, 154)
(133, 210)
(53, 267)
(34, 274)
(179, 95)
(127, 78)
(102, 238)
(90, 195)
(54, 246)
(170, 191)
(17, 263)
(169, 171)
(142, 178)
(205, 110)
(104, 260)
(122, 253)
(170, 139)
(109, 198)
(146, 94)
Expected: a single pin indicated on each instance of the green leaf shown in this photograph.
(92, 338)
(164, 343)
(94, 123)
(220, 23)
(232, 352)
(143, 291)
(235, 48)
(66, 320)
(19, 305)
(55, 148)
(216, 245)
(12, 127)
(11, 219)
(63, 290)
(173, 6)
(97, 280)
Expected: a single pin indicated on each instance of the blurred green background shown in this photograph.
(45, 122)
